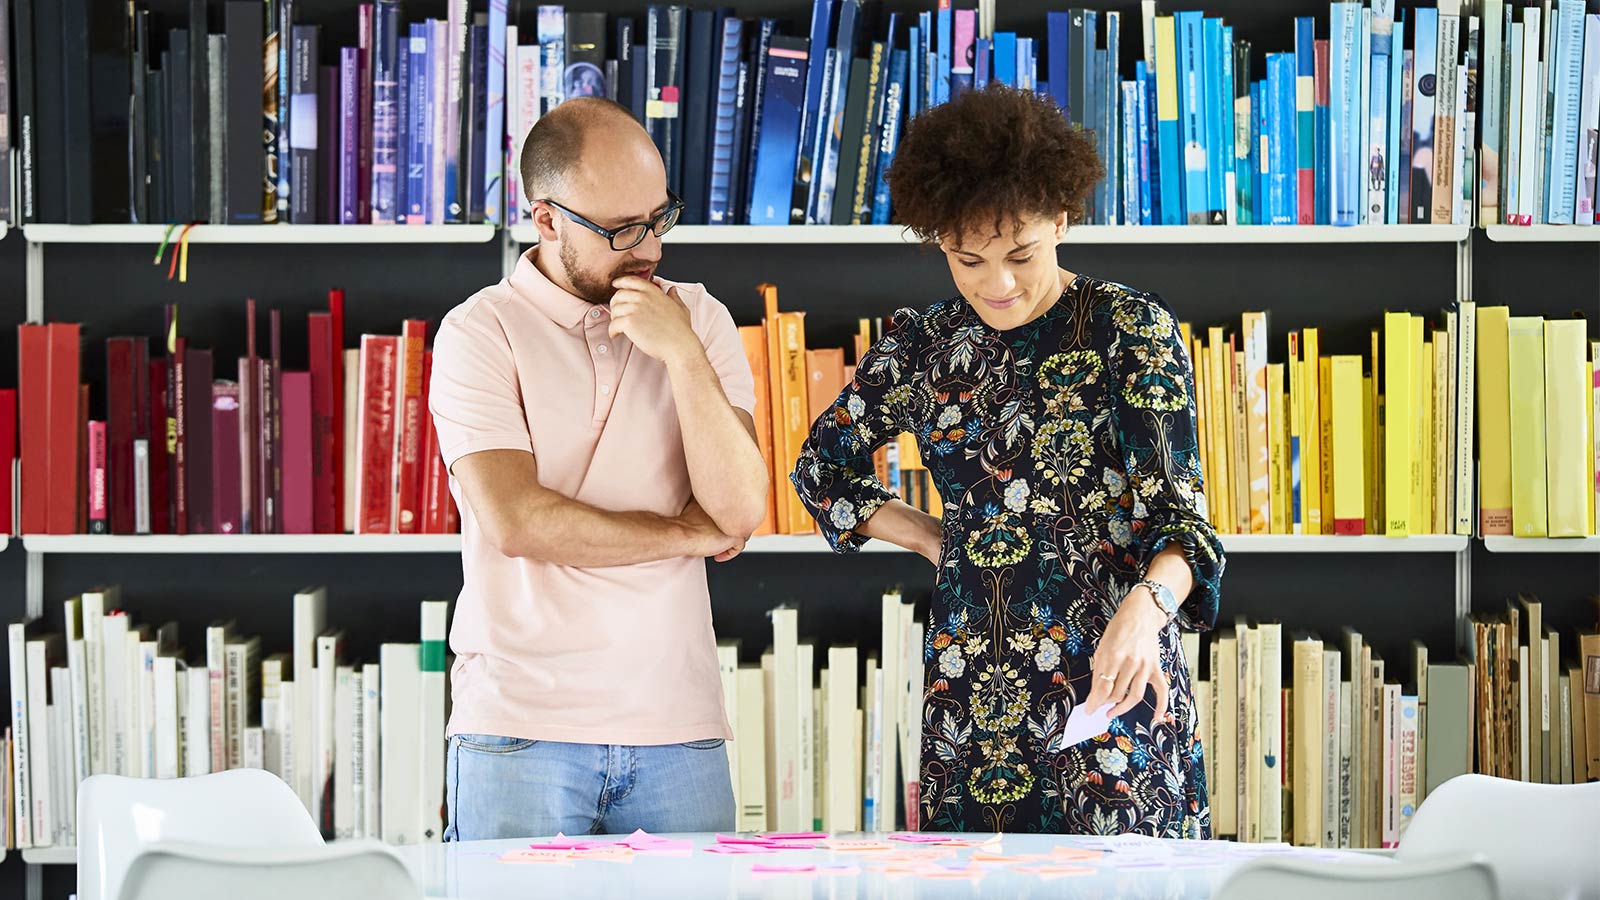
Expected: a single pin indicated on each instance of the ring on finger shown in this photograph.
(1110, 678)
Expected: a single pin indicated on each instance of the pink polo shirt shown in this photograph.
(618, 655)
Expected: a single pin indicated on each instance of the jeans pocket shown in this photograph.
(709, 744)
(493, 743)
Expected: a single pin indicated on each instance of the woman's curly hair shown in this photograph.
(999, 152)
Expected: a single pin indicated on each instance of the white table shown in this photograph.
(472, 871)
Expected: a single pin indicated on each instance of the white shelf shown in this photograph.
(1081, 234)
(262, 234)
(1544, 233)
(1507, 544)
(51, 856)
(244, 543)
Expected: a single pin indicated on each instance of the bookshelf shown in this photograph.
(1543, 234)
(1506, 544)
(262, 234)
(1082, 234)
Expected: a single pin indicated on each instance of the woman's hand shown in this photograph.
(906, 526)
(1128, 658)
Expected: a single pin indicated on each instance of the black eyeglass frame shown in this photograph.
(674, 210)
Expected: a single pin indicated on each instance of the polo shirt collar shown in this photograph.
(559, 305)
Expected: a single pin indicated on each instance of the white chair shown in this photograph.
(1543, 840)
(348, 870)
(118, 817)
(1274, 878)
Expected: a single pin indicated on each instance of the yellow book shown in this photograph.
(1525, 359)
(1277, 495)
(1375, 437)
(1420, 429)
(1225, 700)
(1349, 488)
(1220, 494)
(1314, 459)
(1594, 437)
(1202, 438)
(1423, 499)
(863, 338)
(1241, 445)
(1567, 431)
(1398, 372)
(1308, 736)
(1494, 421)
(1462, 369)
(1183, 332)
(1255, 370)
(1297, 486)
(1442, 396)
(1166, 111)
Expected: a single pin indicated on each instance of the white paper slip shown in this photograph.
(1083, 724)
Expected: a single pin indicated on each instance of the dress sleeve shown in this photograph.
(1155, 423)
(834, 475)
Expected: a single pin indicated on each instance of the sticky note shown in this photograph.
(855, 846)
(1083, 724)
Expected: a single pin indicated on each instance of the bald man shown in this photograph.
(596, 423)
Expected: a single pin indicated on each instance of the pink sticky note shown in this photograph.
(762, 869)
(741, 839)
(919, 838)
(1050, 872)
(793, 845)
(740, 849)
(855, 846)
(797, 836)
(1075, 854)
(559, 842)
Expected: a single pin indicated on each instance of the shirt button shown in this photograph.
(605, 388)
(603, 348)
(594, 313)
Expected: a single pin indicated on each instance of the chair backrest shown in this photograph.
(348, 870)
(118, 817)
(1543, 840)
(1274, 878)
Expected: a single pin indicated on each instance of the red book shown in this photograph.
(375, 434)
(97, 477)
(324, 508)
(408, 443)
(33, 406)
(8, 455)
(80, 475)
(178, 414)
(274, 436)
(250, 395)
(160, 450)
(298, 478)
(364, 104)
(344, 519)
(432, 507)
(197, 418)
(227, 500)
(1310, 198)
(64, 434)
(122, 415)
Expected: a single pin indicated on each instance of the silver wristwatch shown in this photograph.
(1163, 596)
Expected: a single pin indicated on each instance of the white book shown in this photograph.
(330, 646)
(786, 722)
(911, 718)
(1459, 187)
(147, 708)
(889, 663)
(879, 795)
(118, 693)
(432, 684)
(165, 671)
(1410, 729)
(400, 758)
(371, 685)
(1270, 667)
(1362, 85)
(253, 747)
(244, 662)
(1491, 83)
(288, 733)
(514, 131)
(181, 693)
(1391, 765)
(1564, 688)
(805, 679)
(1347, 728)
(1532, 117)
(79, 716)
(819, 771)
(354, 696)
(39, 739)
(1330, 746)
(843, 807)
(750, 742)
(217, 637)
(728, 672)
(197, 721)
(1524, 676)
(1465, 422)
(138, 688)
(94, 613)
(343, 759)
(1588, 124)
(273, 670)
(310, 614)
(1551, 684)
(1511, 177)
(65, 791)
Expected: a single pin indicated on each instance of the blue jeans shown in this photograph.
(501, 787)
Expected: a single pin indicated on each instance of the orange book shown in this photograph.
(409, 429)
(824, 380)
(754, 338)
(786, 363)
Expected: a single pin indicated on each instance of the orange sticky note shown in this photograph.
(1075, 854)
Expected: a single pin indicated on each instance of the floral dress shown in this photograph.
(1064, 451)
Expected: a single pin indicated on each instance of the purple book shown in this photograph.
(385, 116)
(226, 499)
(349, 137)
(297, 515)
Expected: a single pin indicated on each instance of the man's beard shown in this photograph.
(584, 284)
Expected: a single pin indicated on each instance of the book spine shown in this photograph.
(349, 136)
(330, 138)
(245, 77)
(408, 440)
(720, 189)
(97, 478)
(1584, 204)
(1491, 94)
(457, 27)
(1567, 65)
(376, 435)
(811, 110)
(418, 103)
(1378, 161)
(1446, 91)
(228, 514)
(366, 54)
(439, 110)
(1305, 129)
(495, 170)
(303, 125)
(385, 111)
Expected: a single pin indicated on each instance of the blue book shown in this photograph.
(783, 98)
(913, 94)
(1192, 114)
(1281, 145)
(1324, 165)
(1057, 25)
(1424, 65)
(1130, 94)
(981, 64)
(417, 159)
(812, 114)
(1224, 116)
(1344, 108)
(760, 52)
(927, 67)
(1377, 157)
(1216, 86)
(893, 110)
(1169, 155)
(1397, 73)
(1306, 159)
(1258, 160)
(385, 109)
(1005, 58)
(720, 189)
(1568, 78)
(840, 57)
(941, 82)
(1142, 136)
(1109, 79)
(1148, 78)
(1027, 66)
(498, 143)
(402, 145)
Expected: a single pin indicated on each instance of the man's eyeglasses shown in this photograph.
(626, 237)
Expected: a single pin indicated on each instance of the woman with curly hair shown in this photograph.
(1055, 413)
